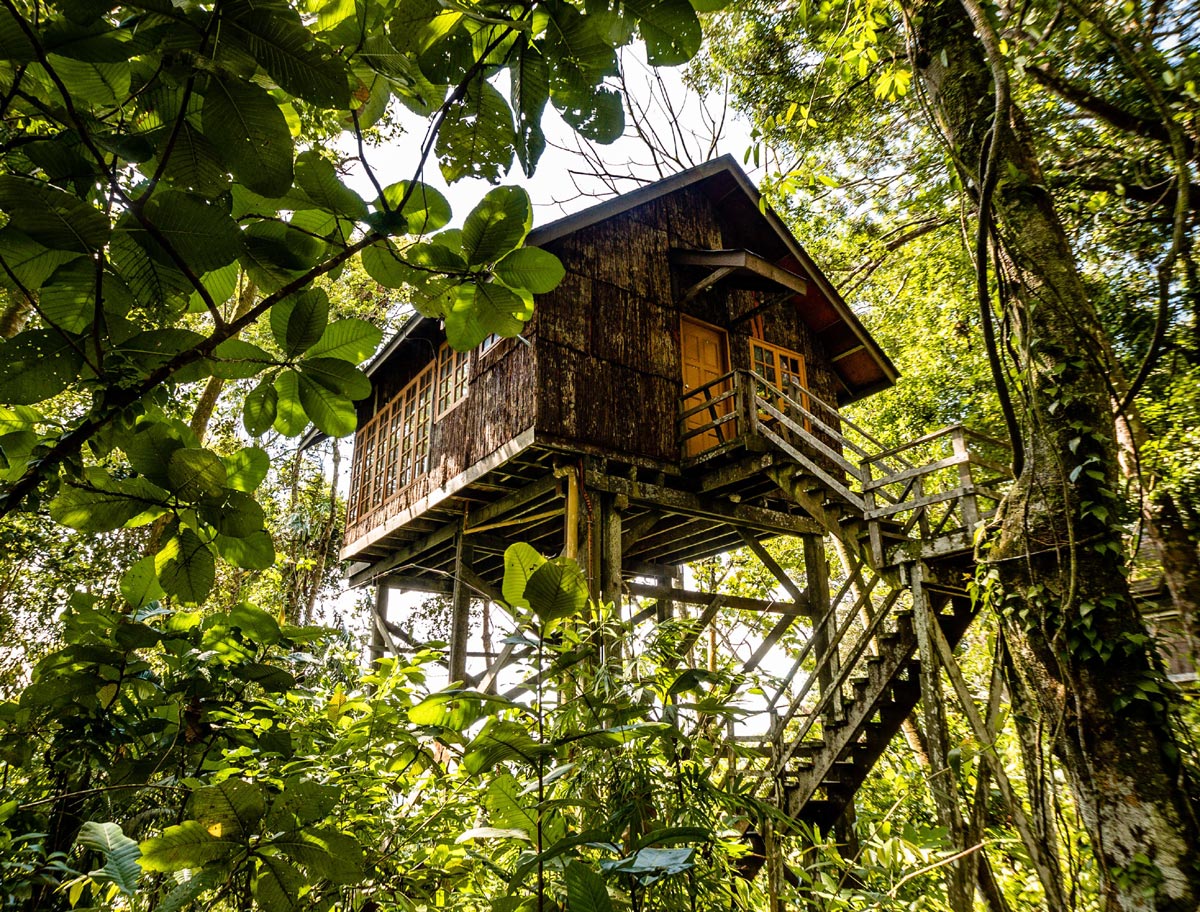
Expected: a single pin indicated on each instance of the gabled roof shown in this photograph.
(859, 362)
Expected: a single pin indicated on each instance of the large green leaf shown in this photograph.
(68, 300)
(299, 320)
(506, 807)
(248, 129)
(351, 340)
(186, 567)
(531, 268)
(290, 418)
(476, 136)
(277, 885)
(30, 263)
(203, 235)
(496, 225)
(301, 803)
(139, 584)
(455, 709)
(195, 163)
(246, 469)
(237, 515)
(320, 182)
(670, 29)
(530, 92)
(120, 855)
(521, 561)
(230, 809)
(260, 408)
(104, 505)
(586, 890)
(481, 310)
(499, 741)
(423, 208)
(52, 217)
(337, 376)
(557, 589)
(253, 552)
(95, 83)
(332, 412)
(193, 473)
(301, 64)
(325, 853)
(235, 359)
(188, 845)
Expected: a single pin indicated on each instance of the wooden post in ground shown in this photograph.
(379, 612)
(816, 569)
(460, 617)
(942, 782)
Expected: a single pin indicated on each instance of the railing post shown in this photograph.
(868, 497)
(970, 504)
(747, 400)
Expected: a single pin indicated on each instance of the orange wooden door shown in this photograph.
(705, 358)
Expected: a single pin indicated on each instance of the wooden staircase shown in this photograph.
(904, 519)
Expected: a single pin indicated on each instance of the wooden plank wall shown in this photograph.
(608, 337)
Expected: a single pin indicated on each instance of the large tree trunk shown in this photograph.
(1076, 637)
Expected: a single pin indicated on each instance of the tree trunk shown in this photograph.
(1075, 634)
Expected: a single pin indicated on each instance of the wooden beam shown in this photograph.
(404, 555)
(773, 565)
(735, 473)
(631, 534)
(407, 583)
(460, 618)
(688, 504)
(742, 603)
(477, 519)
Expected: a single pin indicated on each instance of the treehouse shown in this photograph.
(678, 395)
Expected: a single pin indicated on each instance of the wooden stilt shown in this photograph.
(375, 650)
(460, 622)
(942, 782)
(610, 553)
(825, 624)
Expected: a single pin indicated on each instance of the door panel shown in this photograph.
(705, 358)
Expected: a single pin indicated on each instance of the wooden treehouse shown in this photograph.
(676, 397)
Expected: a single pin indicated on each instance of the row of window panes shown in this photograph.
(782, 369)
(392, 450)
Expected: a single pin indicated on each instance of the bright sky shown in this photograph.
(564, 178)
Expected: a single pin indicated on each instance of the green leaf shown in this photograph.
(352, 340)
(326, 854)
(186, 567)
(36, 365)
(598, 115)
(290, 418)
(234, 359)
(670, 29)
(530, 92)
(183, 895)
(260, 408)
(299, 321)
(29, 262)
(68, 300)
(490, 833)
(188, 845)
(277, 885)
(586, 891)
(426, 209)
(120, 855)
(202, 234)
(503, 801)
(521, 561)
(253, 552)
(301, 803)
(139, 584)
(195, 164)
(51, 217)
(193, 473)
(320, 182)
(476, 137)
(95, 83)
(332, 412)
(231, 809)
(455, 709)
(496, 225)
(237, 516)
(256, 624)
(532, 268)
(480, 310)
(301, 64)
(500, 740)
(107, 506)
(337, 377)
(246, 469)
(557, 589)
(248, 129)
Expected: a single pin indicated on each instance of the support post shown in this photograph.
(970, 503)
(379, 613)
(824, 624)
(942, 781)
(460, 618)
(571, 530)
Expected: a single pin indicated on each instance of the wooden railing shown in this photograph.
(939, 487)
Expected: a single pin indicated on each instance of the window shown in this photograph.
(783, 370)
(489, 343)
(453, 373)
